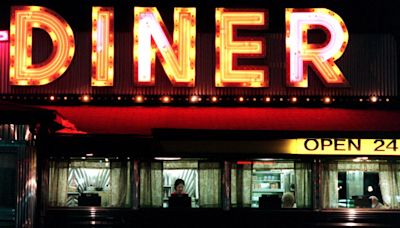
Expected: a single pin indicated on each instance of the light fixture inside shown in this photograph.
(167, 158)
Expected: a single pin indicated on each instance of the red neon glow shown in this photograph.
(300, 53)
(244, 162)
(177, 59)
(22, 70)
(142, 120)
(229, 48)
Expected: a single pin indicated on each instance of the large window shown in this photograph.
(90, 182)
(271, 183)
(259, 183)
(202, 182)
(361, 183)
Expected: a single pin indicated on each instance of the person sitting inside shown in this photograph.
(179, 187)
(288, 200)
(179, 198)
(375, 202)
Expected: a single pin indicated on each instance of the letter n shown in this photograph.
(177, 55)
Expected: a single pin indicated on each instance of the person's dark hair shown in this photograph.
(178, 182)
(292, 187)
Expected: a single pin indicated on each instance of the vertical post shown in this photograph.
(42, 169)
(135, 178)
(226, 186)
(239, 185)
(43, 195)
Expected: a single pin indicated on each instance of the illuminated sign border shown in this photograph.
(343, 146)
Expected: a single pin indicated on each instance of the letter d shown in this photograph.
(22, 70)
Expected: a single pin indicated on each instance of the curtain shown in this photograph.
(58, 184)
(241, 185)
(236, 185)
(151, 184)
(389, 184)
(329, 194)
(120, 183)
(247, 185)
(303, 187)
(210, 184)
(369, 166)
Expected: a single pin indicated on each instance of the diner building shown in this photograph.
(273, 113)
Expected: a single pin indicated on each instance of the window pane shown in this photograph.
(201, 185)
(271, 183)
(241, 185)
(151, 184)
(210, 184)
(89, 182)
(360, 183)
(190, 178)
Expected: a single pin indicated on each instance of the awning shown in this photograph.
(141, 120)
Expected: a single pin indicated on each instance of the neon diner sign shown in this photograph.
(177, 54)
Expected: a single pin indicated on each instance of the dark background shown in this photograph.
(359, 15)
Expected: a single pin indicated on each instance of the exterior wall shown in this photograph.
(17, 142)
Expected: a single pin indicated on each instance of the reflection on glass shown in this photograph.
(88, 185)
(361, 184)
(190, 177)
(272, 184)
(202, 182)
(89, 182)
